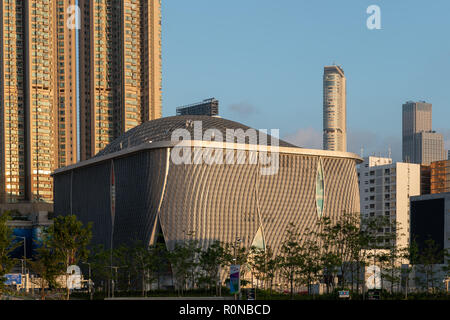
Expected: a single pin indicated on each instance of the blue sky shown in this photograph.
(264, 59)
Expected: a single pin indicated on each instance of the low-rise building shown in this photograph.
(385, 191)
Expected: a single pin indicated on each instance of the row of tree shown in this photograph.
(334, 253)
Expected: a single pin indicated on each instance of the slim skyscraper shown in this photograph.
(334, 109)
(37, 97)
(420, 144)
(120, 67)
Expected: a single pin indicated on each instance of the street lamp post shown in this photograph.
(114, 280)
(89, 283)
(238, 240)
(24, 258)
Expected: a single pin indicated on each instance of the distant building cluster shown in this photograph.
(414, 194)
(420, 143)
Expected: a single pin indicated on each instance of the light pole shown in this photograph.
(114, 280)
(191, 235)
(89, 283)
(24, 258)
(238, 240)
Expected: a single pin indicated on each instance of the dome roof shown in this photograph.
(161, 130)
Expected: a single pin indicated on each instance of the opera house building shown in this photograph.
(175, 177)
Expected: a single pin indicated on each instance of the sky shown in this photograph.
(263, 60)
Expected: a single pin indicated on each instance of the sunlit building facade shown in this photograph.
(120, 69)
(440, 177)
(385, 190)
(120, 84)
(133, 190)
(37, 97)
(334, 109)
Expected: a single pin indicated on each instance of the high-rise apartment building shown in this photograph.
(37, 97)
(334, 109)
(120, 69)
(420, 144)
(385, 190)
(120, 84)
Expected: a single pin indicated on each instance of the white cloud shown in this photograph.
(243, 109)
(446, 134)
(308, 138)
(372, 142)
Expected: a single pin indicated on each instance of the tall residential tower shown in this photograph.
(37, 97)
(120, 84)
(120, 69)
(334, 109)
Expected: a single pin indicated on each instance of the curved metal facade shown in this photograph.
(211, 202)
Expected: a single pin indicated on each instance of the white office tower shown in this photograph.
(385, 189)
(334, 109)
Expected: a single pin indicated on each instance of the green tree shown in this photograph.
(123, 260)
(211, 260)
(311, 268)
(160, 253)
(7, 246)
(184, 261)
(272, 269)
(145, 262)
(100, 260)
(291, 258)
(68, 239)
(428, 259)
(410, 254)
(261, 261)
(48, 267)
